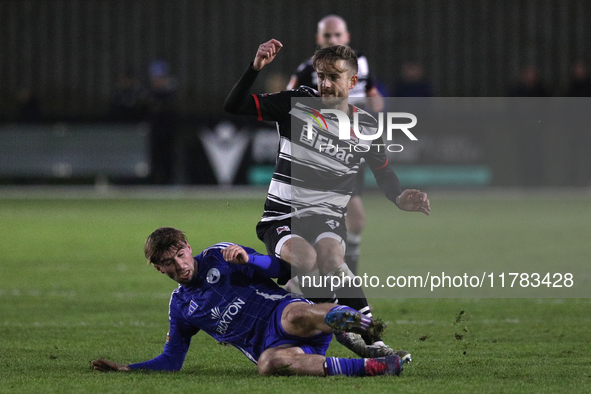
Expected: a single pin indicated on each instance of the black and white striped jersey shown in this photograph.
(313, 176)
(316, 175)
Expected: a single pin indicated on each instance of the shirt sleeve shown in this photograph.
(267, 106)
(267, 265)
(270, 266)
(386, 178)
(239, 101)
(274, 106)
(261, 264)
(388, 182)
(175, 349)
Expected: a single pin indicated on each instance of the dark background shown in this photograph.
(70, 54)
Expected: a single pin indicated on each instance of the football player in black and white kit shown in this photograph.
(316, 203)
(332, 30)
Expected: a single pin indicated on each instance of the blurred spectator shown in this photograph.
(332, 30)
(129, 102)
(163, 122)
(580, 83)
(27, 106)
(412, 83)
(529, 84)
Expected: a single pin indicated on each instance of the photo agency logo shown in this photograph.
(364, 138)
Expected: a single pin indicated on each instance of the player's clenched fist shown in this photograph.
(266, 53)
(414, 201)
(235, 254)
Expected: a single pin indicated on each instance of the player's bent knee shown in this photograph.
(330, 261)
(269, 364)
(297, 314)
(303, 259)
(264, 366)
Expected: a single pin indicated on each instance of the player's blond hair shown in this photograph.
(329, 56)
(162, 241)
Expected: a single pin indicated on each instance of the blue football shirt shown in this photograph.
(231, 302)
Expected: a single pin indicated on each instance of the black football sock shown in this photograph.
(355, 298)
(348, 290)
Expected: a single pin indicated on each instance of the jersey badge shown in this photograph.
(213, 276)
(332, 223)
(282, 229)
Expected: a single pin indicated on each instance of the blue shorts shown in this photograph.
(276, 335)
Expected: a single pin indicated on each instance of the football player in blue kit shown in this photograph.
(227, 292)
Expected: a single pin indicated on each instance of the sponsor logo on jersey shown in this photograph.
(192, 307)
(213, 276)
(282, 229)
(225, 318)
(215, 313)
(308, 138)
(329, 147)
(317, 117)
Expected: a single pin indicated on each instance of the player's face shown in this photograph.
(178, 264)
(334, 80)
(332, 32)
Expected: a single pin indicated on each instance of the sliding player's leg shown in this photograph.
(292, 360)
(299, 335)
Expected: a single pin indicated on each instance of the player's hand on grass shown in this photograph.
(235, 254)
(266, 53)
(413, 201)
(106, 366)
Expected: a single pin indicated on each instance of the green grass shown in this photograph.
(74, 286)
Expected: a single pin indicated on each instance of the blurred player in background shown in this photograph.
(318, 205)
(227, 292)
(332, 30)
(163, 122)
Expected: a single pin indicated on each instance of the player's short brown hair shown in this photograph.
(329, 56)
(161, 241)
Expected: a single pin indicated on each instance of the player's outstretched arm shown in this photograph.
(239, 101)
(266, 53)
(413, 201)
(270, 266)
(106, 366)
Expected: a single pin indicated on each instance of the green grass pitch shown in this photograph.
(74, 286)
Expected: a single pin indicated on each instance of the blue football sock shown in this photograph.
(345, 366)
